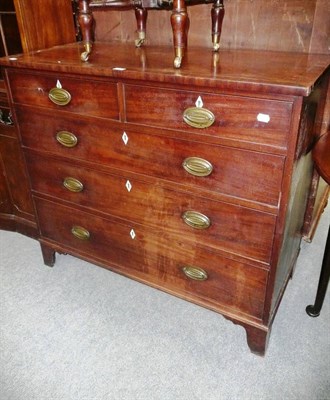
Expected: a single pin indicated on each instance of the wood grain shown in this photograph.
(44, 23)
(157, 259)
(248, 71)
(295, 25)
(248, 251)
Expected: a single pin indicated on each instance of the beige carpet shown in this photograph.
(79, 332)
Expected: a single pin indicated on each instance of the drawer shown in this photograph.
(96, 98)
(159, 156)
(157, 259)
(237, 118)
(239, 230)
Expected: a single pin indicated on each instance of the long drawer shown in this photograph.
(245, 119)
(239, 230)
(236, 117)
(156, 258)
(244, 174)
(86, 97)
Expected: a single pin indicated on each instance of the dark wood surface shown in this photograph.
(179, 19)
(263, 186)
(259, 72)
(167, 207)
(11, 203)
(15, 193)
(16, 209)
(44, 23)
(29, 26)
(140, 258)
(130, 215)
(295, 25)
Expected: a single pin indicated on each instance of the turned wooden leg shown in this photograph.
(48, 255)
(86, 21)
(257, 339)
(217, 14)
(141, 15)
(180, 26)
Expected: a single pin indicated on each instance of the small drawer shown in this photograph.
(218, 225)
(156, 259)
(96, 98)
(243, 174)
(238, 118)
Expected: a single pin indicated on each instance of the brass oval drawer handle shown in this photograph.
(59, 96)
(198, 117)
(66, 139)
(195, 273)
(73, 185)
(196, 220)
(197, 166)
(80, 233)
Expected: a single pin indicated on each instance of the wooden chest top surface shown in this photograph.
(234, 70)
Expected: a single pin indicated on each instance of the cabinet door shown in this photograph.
(44, 23)
(16, 209)
(17, 182)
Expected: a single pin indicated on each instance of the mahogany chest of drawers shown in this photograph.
(192, 181)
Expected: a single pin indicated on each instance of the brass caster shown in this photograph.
(177, 62)
(216, 46)
(84, 56)
(139, 42)
(141, 38)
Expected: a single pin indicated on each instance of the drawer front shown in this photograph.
(159, 156)
(219, 225)
(238, 118)
(96, 98)
(157, 259)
